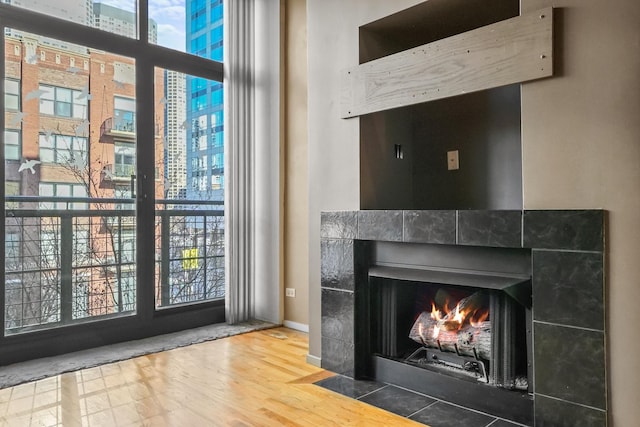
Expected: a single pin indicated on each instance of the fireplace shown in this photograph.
(467, 323)
(479, 335)
(530, 285)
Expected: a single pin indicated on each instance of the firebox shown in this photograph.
(471, 333)
(453, 323)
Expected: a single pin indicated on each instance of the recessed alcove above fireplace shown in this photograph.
(483, 128)
(560, 252)
(467, 59)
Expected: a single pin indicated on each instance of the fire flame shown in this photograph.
(435, 313)
(460, 316)
(451, 320)
(476, 322)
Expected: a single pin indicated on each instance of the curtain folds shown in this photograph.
(239, 58)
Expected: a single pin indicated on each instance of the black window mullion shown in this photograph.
(145, 143)
(143, 21)
(2, 191)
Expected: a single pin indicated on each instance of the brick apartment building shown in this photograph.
(72, 110)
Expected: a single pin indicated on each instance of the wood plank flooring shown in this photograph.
(255, 379)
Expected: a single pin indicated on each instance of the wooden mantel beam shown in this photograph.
(510, 51)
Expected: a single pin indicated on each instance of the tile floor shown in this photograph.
(415, 406)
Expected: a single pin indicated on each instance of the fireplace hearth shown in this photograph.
(530, 284)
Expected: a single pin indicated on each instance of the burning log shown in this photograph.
(427, 331)
(466, 308)
(464, 330)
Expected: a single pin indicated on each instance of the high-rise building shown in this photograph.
(176, 135)
(120, 21)
(78, 11)
(205, 142)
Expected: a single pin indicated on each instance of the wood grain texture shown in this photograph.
(256, 379)
(511, 51)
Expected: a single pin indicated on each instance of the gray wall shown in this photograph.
(334, 143)
(386, 182)
(485, 129)
(581, 147)
(580, 133)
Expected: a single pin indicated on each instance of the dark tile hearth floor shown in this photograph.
(415, 406)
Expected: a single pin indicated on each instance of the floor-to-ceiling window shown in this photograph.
(114, 172)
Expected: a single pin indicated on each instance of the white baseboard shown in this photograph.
(295, 325)
(314, 360)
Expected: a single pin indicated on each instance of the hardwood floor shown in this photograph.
(255, 379)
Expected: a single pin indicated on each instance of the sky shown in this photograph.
(170, 16)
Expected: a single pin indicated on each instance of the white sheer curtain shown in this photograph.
(239, 142)
(252, 160)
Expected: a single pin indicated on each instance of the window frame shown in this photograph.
(124, 151)
(53, 140)
(8, 144)
(74, 192)
(13, 95)
(122, 114)
(78, 106)
(148, 56)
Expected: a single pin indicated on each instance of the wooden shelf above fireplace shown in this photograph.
(511, 51)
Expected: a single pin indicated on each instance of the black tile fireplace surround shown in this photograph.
(567, 275)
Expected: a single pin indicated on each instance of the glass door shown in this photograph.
(190, 241)
(70, 183)
(114, 173)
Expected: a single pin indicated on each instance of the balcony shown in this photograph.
(72, 260)
(113, 130)
(124, 171)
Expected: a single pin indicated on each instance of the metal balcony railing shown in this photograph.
(124, 171)
(122, 129)
(69, 260)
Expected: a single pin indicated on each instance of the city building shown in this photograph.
(93, 251)
(175, 168)
(205, 118)
(78, 11)
(71, 146)
(70, 126)
(120, 21)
